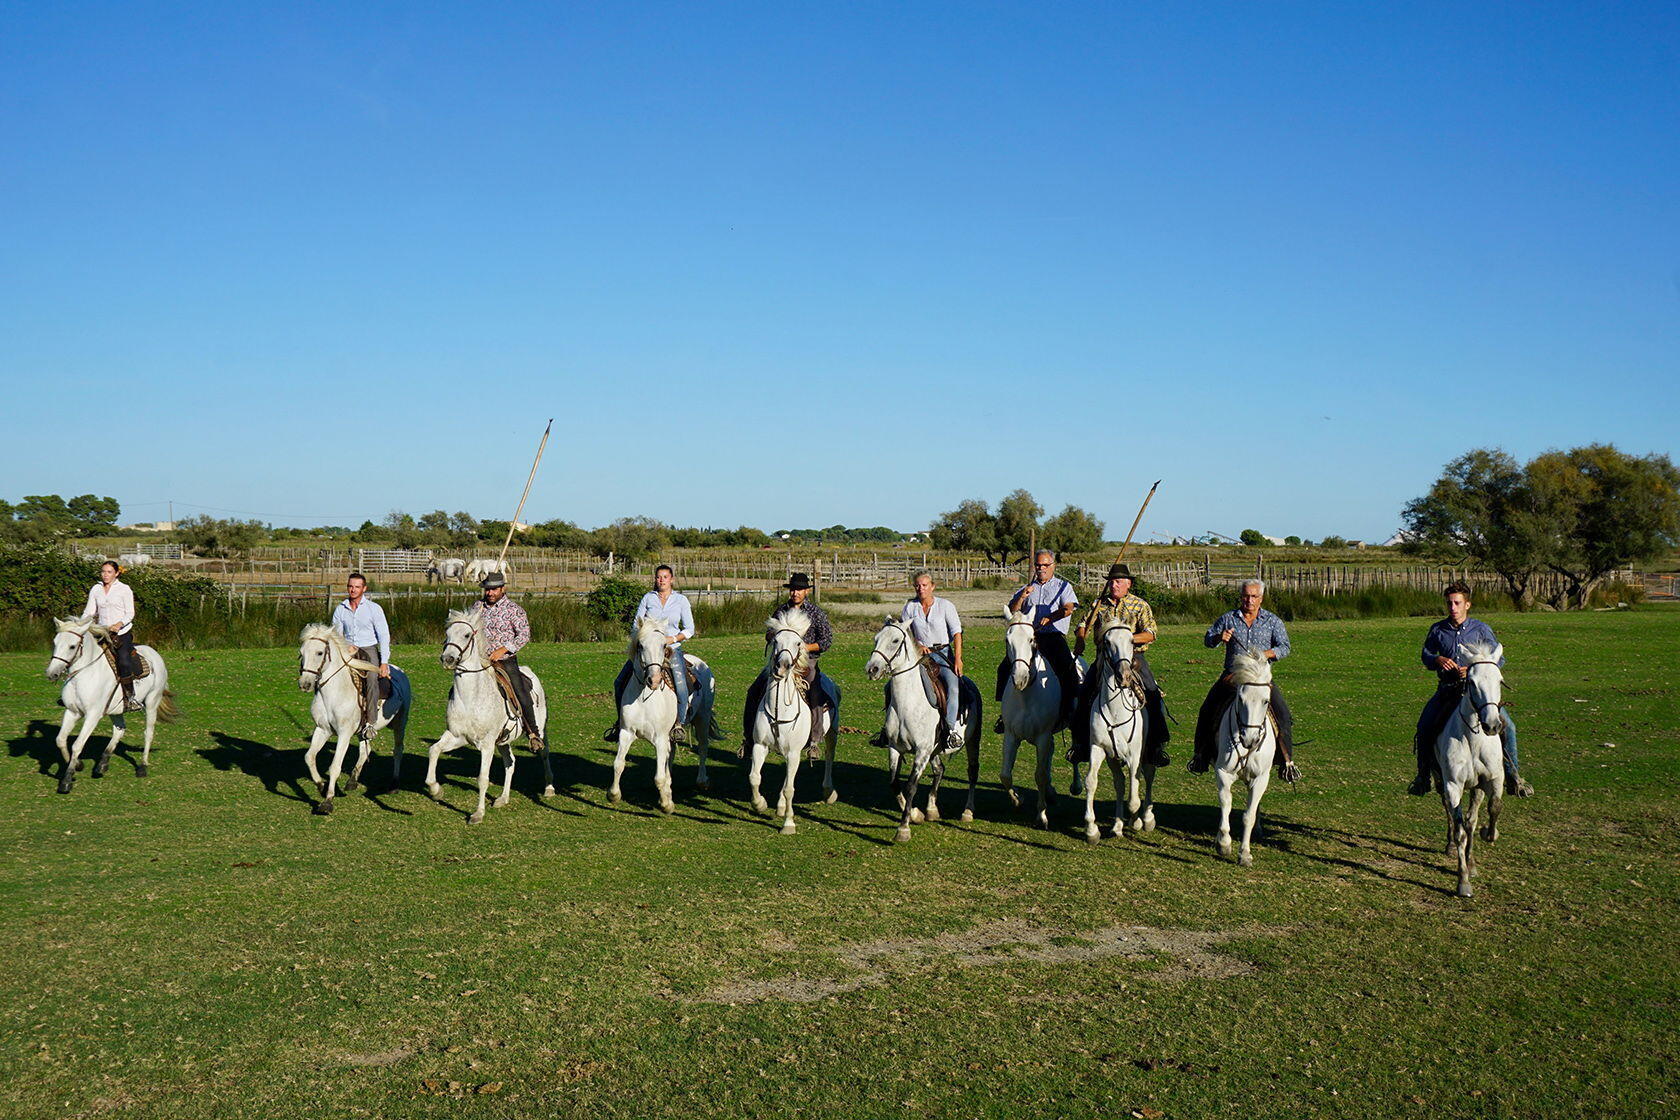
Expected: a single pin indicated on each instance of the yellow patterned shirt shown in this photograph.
(1131, 611)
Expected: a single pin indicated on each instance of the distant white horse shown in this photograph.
(91, 692)
(446, 569)
(912, 724)
(783, 718)
(1247, 745)
(648, 709)
(1030, 709)
(134, 559)
(479, 714)
(325, 659)
(1470, 754)
(476, 570)
(1117, 733)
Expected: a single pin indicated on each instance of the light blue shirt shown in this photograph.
(365, 626)
(678, 615)
(935, 628)
(1045, 599)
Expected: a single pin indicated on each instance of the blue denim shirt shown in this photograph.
(1444, 640)
(1267, 633)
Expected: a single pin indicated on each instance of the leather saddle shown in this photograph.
(358, 677)
(142, 667)
(688, 670)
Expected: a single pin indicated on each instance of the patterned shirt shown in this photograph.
(1046, 599)
(1445, 639)
(1267, 633)
(505, 625)
(1130, 611)
(675, 610)
(820, 632)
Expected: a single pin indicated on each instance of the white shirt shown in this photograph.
(364, 626)
(936, 627)
(112, 608)
(1046, 599)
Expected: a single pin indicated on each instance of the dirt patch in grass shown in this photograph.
(379, 1058)
(1183, 954)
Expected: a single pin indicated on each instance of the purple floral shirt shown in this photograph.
(505, 624)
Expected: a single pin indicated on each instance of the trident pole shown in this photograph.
(1135, 520)
(502, 559)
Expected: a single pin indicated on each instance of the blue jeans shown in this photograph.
(679, 682)
(952, 696)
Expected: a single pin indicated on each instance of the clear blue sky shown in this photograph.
(799, 264)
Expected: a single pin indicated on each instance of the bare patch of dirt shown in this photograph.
(1185, 954)
(378, 1058)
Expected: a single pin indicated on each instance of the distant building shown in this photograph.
(1399, 538)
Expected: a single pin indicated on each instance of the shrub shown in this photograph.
(615, 599)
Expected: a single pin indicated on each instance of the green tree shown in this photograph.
(1600, 509)
(93, 516)
(1072, 530)
(968, 528)
(1292, 539)
(1333, 541)
(1254, 538)
(1481, 511)
(632, 536)
(1017, 521)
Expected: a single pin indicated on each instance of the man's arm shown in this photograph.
(1280, 641)
(1215, 633)
(382, 632)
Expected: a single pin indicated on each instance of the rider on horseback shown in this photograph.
(938, 631)
(1051, 602)
(362, 622)
(1441, 656)
(1131, 611)
(821, 636)
(110, 603)
(1250, 628)
(506, 632)
(673, 607)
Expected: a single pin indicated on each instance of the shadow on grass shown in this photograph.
(39, 742)
(1288, 831)
(281, 772)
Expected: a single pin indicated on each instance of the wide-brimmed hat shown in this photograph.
(1120, 571)
(494, 579)
(798, 581)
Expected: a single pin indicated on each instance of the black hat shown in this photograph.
(494, 579)
(1120, 571)
(799, 581)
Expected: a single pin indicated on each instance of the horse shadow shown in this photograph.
(39, 742)
(281, 772)
(1291, 831)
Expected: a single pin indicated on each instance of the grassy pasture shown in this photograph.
(198, 945)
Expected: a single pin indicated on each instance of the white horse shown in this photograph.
(912, 724)
(1247, 745)
(783, 719)
(1470, 754)
(478, 714)
(1117, 734)
(648, 710)
(446, 569)
(134, 559)
(91, 692)
(1030, 709)
(325, 659)
(475, 570)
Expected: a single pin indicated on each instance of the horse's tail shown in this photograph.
(168, 710)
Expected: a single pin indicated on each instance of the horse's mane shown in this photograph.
(327, 632)
(1112, 623)
(639, 631)
(468, 616)
(1479, 651)
(80, 625)
(1251, 668)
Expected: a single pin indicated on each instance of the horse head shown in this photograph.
(893, 642)
(1251, 674)
(460, 636)
(67, 645)
(784, 639)
(1020, 640)
(1116, 644)
(316, 646)
(647, 649)
(1484, 683)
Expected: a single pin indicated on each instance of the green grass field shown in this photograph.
(196, 944)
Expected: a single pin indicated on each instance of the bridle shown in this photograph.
(1473, 693)
(69, 662)
(462, 648)
(1014, 660)
(791, 680)
(320, 681)
(1118, 670)
(903, 646)
(1238, 738)
(647, 667)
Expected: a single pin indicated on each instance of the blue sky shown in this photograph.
(800, 264)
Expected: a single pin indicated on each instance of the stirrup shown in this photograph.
(1420, 786)
(1198, 765)
(879, 739)
(1515, 786)
(1290, 772)
(679, 734)
(610, 735)
(997, 728)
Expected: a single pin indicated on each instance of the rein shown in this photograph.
(1119, 677)
(472, 639)
(1243, 752)
(320, 681)
(1028, 662)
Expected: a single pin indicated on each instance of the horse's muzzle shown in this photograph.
(876, 667)
(1493, 719)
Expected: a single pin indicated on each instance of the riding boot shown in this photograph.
(1515, 786)
(1158, 734)
(813, 746)
(610, 735)
(879, 739)
(1287, 770)
(679, 733)
(132, 705)
(1422, 784)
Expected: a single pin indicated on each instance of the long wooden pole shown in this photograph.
(502, 559)
(1135, 520)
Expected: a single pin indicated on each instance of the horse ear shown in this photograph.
(1498, 654)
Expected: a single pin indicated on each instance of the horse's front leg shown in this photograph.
(754, 775)
(1122, 811)
(626, 737)
(1046, 796)
(1011, 744)
(64, 726)
(507, 775)
(1094, 761)
(364, 749)
(910, 814)
(662, 772)
(316, 742)
(1256, 790)
(1496, 802)
(73, 760)
(785, 805)
(329, 788)
(895, 786)
(486, 752)
(1452, 795)
(1222, 780)
(448, 741)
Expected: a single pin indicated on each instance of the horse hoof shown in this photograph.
(1225, 849)
(1149, 824)
(350, 786)
(967, 816)
(1464, 891)
(833, 796)
(704, 785)
(788, 829)
(80, 762)
(902, 835)
(433, 790)
(614, 796)
(99, 769)
(1245, 860)
(323, 808)
(141, 770)
(548, 791)
(668, 807)
(1488, 834)
(1092, 836)
(500, 803)
(64, 784)
(477, 817)
(1014, 798)
(917, 816)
